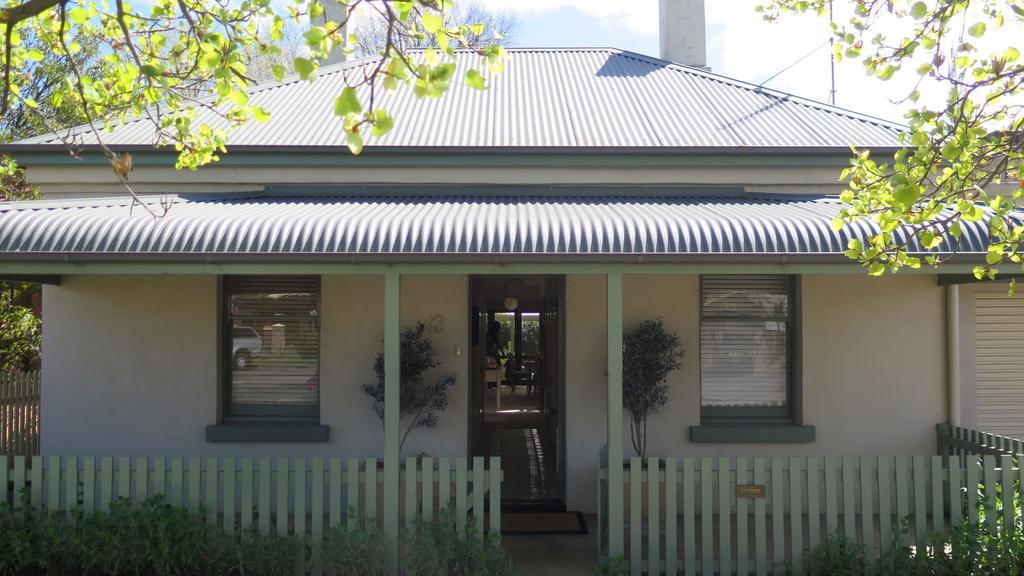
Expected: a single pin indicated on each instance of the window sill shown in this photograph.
(268, 433)
(751, 433)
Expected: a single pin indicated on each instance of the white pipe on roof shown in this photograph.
(334, 11)
(682, 34)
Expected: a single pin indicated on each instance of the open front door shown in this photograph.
(516, 388)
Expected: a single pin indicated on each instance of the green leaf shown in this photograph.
(238, 97)
(278, 71)
(994, 254)
(876, 268)
(443, 42)
(977, 30)
(355, 142)
(432, 22)
(474, 79)
(305, 67)
(887, 72)
(906, 194)
(315, 36)
(260, 114)
(382, 123)
(151, 70)
(78, 15)
(348, 102)
(918, 10)
(950, 151)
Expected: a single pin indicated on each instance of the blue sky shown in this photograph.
(569, 27)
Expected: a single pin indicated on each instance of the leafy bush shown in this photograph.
(30, 541)
(837, 555)
(148, 538)
(153, 538)
(649, 355)
(434, 548)
(360, 552)
(970, 549)
(20, 329)
(420, 400)
(617, 566)
(255, 554)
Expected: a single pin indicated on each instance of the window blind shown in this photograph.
(275, 345)
(744, 341)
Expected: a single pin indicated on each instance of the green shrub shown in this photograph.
(837, 555)
(434, 548)
(617, 566)
(148, 538)
(966, 550)
(254, 554)
(970, 549)
(30, 540)
(153, 538)
(359, 552)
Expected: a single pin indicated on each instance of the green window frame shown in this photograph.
(742, 414)
(297, 374)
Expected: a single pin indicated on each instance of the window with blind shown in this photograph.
(273, 347)
(745, 347)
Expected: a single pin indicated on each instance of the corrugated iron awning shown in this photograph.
(388, 223)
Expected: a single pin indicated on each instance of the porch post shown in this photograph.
(392, 348)
(615, 485)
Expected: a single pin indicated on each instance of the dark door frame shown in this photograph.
(474, 332)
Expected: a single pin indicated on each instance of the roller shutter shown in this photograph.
(999, 349)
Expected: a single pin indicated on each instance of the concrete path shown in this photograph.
(554, 555)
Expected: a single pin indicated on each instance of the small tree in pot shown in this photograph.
(420, 400)
(649, 355)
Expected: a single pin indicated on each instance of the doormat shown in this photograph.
(543, 523)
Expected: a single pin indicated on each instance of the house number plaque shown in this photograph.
(750, 490)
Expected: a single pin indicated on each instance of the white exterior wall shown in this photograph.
(873, 369)
(131, 368)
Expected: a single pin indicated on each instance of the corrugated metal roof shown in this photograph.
(377, 223)
(565, 98)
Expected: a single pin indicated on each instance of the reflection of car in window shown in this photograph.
(246, 345)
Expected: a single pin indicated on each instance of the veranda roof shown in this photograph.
(386, 223)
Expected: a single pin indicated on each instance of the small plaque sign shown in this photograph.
(750, 491)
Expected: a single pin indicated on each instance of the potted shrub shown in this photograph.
(649, 355)
(420, 400)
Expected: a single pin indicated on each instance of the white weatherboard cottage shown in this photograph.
(586, 191)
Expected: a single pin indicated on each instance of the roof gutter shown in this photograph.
(969, 259)
(38, 154)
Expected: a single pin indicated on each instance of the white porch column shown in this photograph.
(392, 351)
(615, 485)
